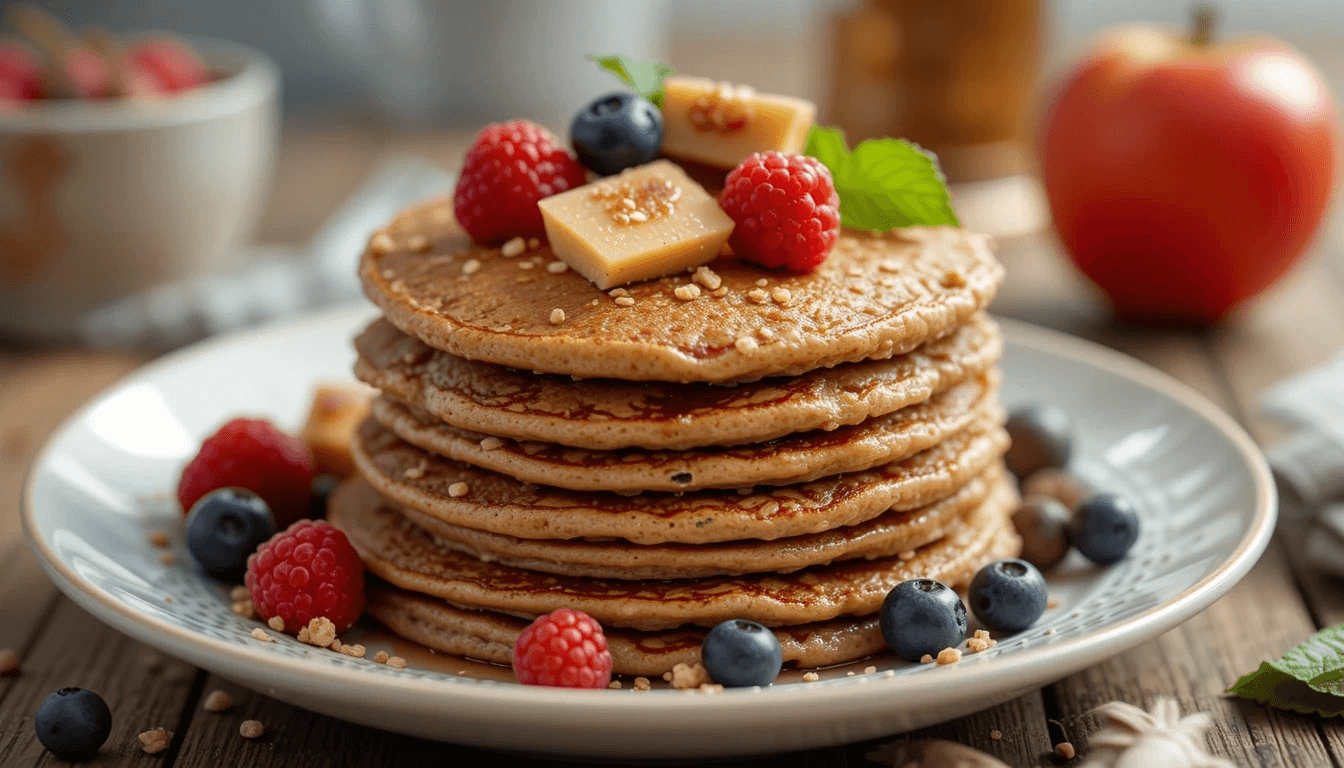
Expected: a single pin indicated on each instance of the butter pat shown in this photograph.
(649, 221)
(721, 124)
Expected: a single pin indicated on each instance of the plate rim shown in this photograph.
(1014, 671)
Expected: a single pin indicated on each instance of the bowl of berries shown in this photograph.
(125, 162)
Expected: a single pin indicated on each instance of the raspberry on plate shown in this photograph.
(786, 210)
(306, 571)
(566, 649)
(252, 454)
(507, 170)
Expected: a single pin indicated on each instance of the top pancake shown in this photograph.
(874, 297)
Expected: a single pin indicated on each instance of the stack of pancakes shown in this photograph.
(779, 448)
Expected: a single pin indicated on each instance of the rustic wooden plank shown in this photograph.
(1020, 724)
(26, 598)
(143, 688)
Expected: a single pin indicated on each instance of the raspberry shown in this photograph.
(566, 649)
(786, 210)
(306, 571)
(509, 168)
(252, 454)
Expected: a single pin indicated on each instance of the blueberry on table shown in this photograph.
(922, 617)
(739, 653)
(1043, 524)
(225, 527)
(1042, 438)
(73, 722)
(1104, 527)
(615, 132)
(1008, 595)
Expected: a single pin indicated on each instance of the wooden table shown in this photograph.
(1298, 326)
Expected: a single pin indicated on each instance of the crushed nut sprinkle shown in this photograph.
(725, 111)
(251, 729)
(1065, 750)
(276, 623)
(688, 292)
(396, 662)
(417, 243)
(981, 641)
(761, 282)
(491, 443)
(616, 293)
(514, 247)
(239, 592)
(381, 244)
(217, 701)
(160, 539)
(685, 676)
(781, 295)
(355, 650)
(642, 684)
(908, 554)
(949, 656)
(745, 344)
(720, 292)
(167, 558)
(870, 670)
(9, 662)
(708, 278)
(557, 267)
(758, 296)
(557, 316)
(336, 646)
(471, 266)
(458, 490)
(1052, 603)
(630, 203)
(381, 657)
(614, 685)
(533, 243)
(766, 333)
(625, 301)
(925, 659)
(260, 634)
(155, 741)
(527, 265)
(319, 632)
(416, 472)
(245, 608)
(811, 677)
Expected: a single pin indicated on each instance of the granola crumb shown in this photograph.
(745, 344)
(9, 662)
(870, 670)
(159, 538)
(949, 656)
(416, 472)
(526, 265)
(276, 623)
(320, 632)
(996, 734)
(557, 316)
(491, 443)
(396, 662)
(167, 598)
(954, 279)
(217, 701)
(533, 243)
(336, 646)
(167, 558)
(155, 741)
(908, 554)
(766, 333)
(417, 243)
(1052, 603)
(355, 650)
(471, 266)
(251, 729)
(624, 301)
(708, 278)
(685, 676)
(980, 641)
(614, 685)
(781, 296)
(642, 684)
(458, 490)
(380, 657)
(719, 292)
(617, 293)
(757, 296)
(925, 659)
(711, 688)
(245, 608)
(762, 282)
(688, 292)
(514, 247)
(557, 267)
(239, 593)
(1065, 750)
(1050, 631)
(811, 677)
(381, 243)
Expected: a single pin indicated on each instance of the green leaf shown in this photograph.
(1307, 679)
(644, 77)
(885, 183)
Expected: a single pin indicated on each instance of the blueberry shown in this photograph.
(226, 526)
(1042, 438)
(1008, 595)
(615, 132)
(73, 722)
(1104, 527)
(323, 486)
(922, 616)
(1043, 524)
(739, 653)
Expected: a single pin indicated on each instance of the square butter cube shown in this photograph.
(721, 124)
(646, 222)
(334, 416)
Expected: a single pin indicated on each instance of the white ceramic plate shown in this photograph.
(106, 481)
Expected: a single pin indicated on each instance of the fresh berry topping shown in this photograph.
(306, 571)
(509, 168)
(1008, 595)
(252, 454)
(615, 132)
(173, 66)
(566, 649)
(786, 210)
(20, 72)
(225, 527)
(1042, 438)
(1104, 528)
(1043, 523)
(73, 723)
(739, 653)
(921, 617)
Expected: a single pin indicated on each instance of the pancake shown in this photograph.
(499, 504)
(884, 536)
(408, 557)
(875, 296)
(607, 414)
(796, 458)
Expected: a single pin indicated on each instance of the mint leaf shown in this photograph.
(885, 183)
(644, 77)
(1307, 679)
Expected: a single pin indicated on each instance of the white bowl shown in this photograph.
(100, 199)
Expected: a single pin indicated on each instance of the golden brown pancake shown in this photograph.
(499, 504)
(796, 458)
(875, 296)
(607, 414)
(408, 557)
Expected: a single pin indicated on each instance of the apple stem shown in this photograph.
(1204, 16)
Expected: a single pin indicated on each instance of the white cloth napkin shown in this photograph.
(1309, 466)
(277, 281)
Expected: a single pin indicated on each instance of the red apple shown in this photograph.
(1184, 176)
